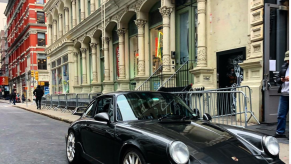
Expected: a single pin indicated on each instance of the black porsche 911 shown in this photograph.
(159, 128)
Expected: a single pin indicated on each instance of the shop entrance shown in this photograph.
(275, 46)
(229, 73)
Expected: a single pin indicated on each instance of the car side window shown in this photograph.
(90, 110)
(104, 104)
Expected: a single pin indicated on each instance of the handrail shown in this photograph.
(175, 74)
(149, 77)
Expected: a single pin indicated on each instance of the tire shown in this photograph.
(72, 150)
(132, 154)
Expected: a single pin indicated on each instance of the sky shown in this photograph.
(2, 16)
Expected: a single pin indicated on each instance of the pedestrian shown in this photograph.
(13, 96)
(283, 108)
(23, 98)
(38, 93)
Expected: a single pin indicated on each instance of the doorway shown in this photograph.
(275, 46)
(229, 73)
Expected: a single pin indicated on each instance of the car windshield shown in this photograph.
(151, 105)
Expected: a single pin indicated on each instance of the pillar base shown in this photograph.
(96, 87)
(86, 88)
(108, 86)
(77, 89)
(203, 77)
(123, 85)
(253, 71)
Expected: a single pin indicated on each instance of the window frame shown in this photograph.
(38, 40)
(87, 110)
(112, 102)
(40, 3)
(37, 20)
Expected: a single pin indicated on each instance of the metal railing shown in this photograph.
(67, 102)
(180, 80)
(220, 105)
(155, 80)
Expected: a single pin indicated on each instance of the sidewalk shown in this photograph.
(268, 129)
(58, 115)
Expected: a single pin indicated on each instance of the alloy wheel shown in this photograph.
(71, 147)
(131, 158)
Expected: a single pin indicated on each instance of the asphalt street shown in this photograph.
(29, 138)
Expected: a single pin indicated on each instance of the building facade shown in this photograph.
(108, 45)
(26, 39)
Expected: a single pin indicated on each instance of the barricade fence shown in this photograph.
(67, 102)
(225, 107)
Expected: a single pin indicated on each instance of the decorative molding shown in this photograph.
(255, 4)
(83, 50)
(140, 23)
(66, 9)
(257, 17)
(166, 11)
(257, 33)
(120, 32)
(256, 49)
(93, 45)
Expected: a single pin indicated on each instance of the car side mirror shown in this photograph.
(103, 116)
(207, 117)
(79, 111)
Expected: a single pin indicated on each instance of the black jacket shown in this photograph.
(282, 74)
(13, 95)
(38, 92)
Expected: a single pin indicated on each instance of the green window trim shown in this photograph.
(89, 7)
(79, 10)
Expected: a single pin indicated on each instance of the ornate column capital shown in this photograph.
(76, 53)
(83, 50)
(120, 32)
(60, 15)
(166, 11)
(73, 2)
(106, 39)
(50, 25)
(93, 45)
(66, 9)
(140, 23)
(54, 21)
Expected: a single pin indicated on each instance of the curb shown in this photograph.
(44, 114)
(48, 115)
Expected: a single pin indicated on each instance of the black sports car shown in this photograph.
(159, 128)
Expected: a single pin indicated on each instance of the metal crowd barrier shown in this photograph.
(67, 102)
(225, 107)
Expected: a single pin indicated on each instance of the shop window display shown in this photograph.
(59, 80)
(65, 79)
(156, 35)
(54, 81)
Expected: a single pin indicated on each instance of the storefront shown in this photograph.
(60, 76)
(156, 37)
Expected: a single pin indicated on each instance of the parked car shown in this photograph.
(159, 128)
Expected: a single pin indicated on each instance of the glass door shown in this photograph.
(185, 47)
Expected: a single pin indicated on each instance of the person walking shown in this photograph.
(13, 96)
(283, 109)
(38, 93)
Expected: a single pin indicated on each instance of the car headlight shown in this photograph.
(179, 152)
(271, 145)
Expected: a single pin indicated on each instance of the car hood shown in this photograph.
(208, 143)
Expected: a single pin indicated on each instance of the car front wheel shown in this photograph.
(133, 156)
(73, 153)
